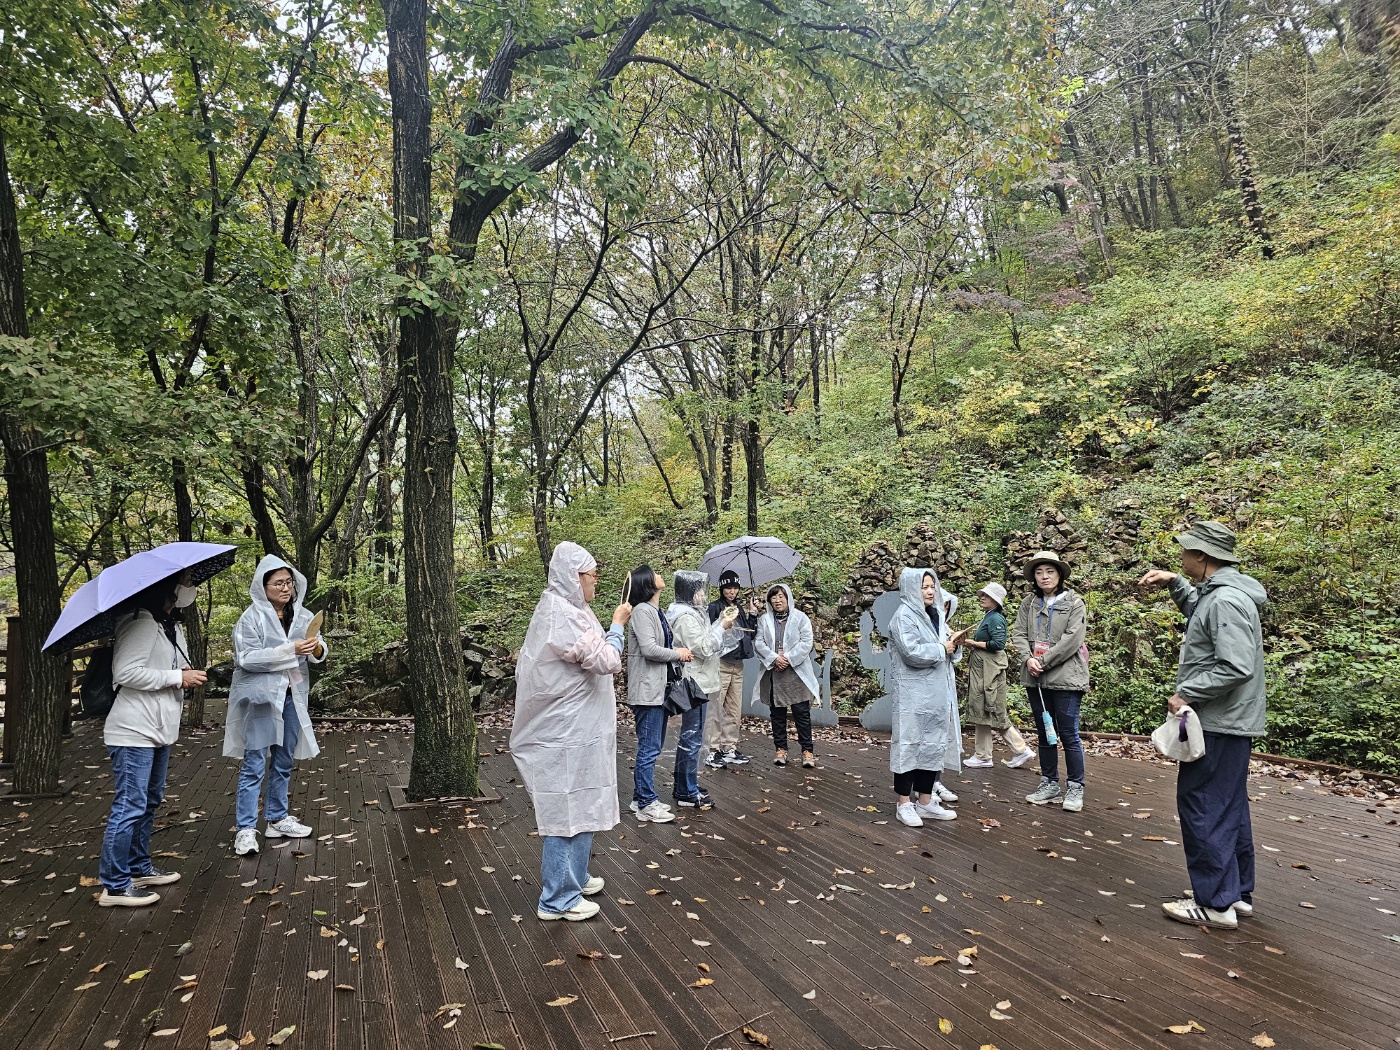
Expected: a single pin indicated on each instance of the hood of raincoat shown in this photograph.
(768, 606)
(948, 599)
(688, 585)
(568, 562)
(911, 595)
(258, 593)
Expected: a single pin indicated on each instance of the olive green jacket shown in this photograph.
(1220, 672)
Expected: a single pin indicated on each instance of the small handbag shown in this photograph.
(682, 695)
(1179, 737)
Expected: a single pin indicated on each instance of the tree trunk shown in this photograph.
(39, 729)
(384, 501)
(444, 745)
(1244, 166)
(1087, 182)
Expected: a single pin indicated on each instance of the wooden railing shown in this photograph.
(13, 695)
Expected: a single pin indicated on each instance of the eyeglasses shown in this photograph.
(595, 574)
(279, 584)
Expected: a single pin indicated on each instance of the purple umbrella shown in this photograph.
(92, 612)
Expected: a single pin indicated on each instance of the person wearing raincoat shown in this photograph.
(564, 734)
(987, 681)
(783, 645)
(267, 700)
(691, 627)
(925, 735)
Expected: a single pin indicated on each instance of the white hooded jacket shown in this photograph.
(925, 732)
(564, 736)
(797, 644)
(266, 668)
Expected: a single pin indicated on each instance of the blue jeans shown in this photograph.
(250, 774)
(1212, 799)
(687, 783)
(564, 870)
(651, 734)
(138, 778)
(1063, 705)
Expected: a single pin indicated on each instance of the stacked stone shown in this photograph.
(378, 684)
(1053, 533)
(961, 566)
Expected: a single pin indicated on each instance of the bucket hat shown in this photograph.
(996, 592)
(1212, 539)
(1047, 558)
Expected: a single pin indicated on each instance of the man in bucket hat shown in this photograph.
(1220, 674)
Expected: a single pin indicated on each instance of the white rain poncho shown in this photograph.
(924, 729)
(564, 736)
(797, 644)
(691, 628)
(265, 668)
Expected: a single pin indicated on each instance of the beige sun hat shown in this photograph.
(996, 592)
(1047, 558)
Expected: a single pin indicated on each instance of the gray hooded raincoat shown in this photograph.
(265, 668)
(925, 732)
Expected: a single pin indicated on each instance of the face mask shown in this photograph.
(185, 596)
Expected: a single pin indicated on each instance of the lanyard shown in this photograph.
(1049, 616)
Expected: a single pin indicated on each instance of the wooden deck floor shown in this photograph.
(814, 912)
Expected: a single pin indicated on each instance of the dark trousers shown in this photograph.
(1212, 798)
(802, 715)
(915, 782)
(1063, 705)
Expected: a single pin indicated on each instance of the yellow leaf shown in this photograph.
(282, 1036)
(1262, 1039)
(555, 962)
(756, 1037)
(135, 976)
(214, 1033)
(563, 1000)
(703, 982)
(944, 1025)
(930, 960)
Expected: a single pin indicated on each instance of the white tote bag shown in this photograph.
(1179, 737)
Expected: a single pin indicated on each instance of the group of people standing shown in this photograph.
(564, 737)
(268, 726)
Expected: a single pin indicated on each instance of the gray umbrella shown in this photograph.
(757, 560)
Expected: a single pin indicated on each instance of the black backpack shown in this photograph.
(98, 693)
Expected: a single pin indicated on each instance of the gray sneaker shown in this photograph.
(1048, 791)
(1074, 798)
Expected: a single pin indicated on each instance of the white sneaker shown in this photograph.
(933, 811)
(904, 813)
(1243, 909)
(635, 806)
(943, 794)
(1017, 761)
(245, 842)
(657, 813)
(580, 911)
(1188, 911)
(593, 885)
(287, 828)
(977, 762)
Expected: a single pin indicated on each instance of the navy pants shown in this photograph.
(1212, 797)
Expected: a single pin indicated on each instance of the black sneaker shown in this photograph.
(131, 897)
(715, 761)
(700, 801)
(735, 757)
(155, 877)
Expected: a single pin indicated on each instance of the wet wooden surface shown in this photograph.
(815, 914)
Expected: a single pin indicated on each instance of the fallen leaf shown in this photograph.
(1262, 1039)
(214, 1033)
(164, 1032)
(1276, 951)
(1005, 1004)
(447, 1008)
(930, 960)
(318, 975)
(703, 982)
(282, 1036)
(135, 976)
(449, 883)
(903, 938)
(699, 944)
(85, 987)
(755, 1037)
(481, 911)
(358, 920)
(100, 967)
(88, 881)
(1306, 904)
(1184, 1029)
(563, 1000)
(345, 988)
(944, 1025)
(997, 1015)
(555, 962)
(463, 966)
(223, 1044)
(810, 995)
(591, 954)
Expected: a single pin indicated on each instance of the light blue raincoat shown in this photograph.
(265, 668)
(925, 732)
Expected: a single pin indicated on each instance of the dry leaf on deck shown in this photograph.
(1184, 1029)
(282, 1036)
(135, 976)
(563, 1000)
(810, 995)
(317, 975)
(165, 1032)
(945, 1026)
(1262, 1039)
(447, 1008)
(591, 954)
(555, 962)
(214, 1033)
(997, 1015)
(903, 938)
(930, 960)
(703, 982)
(755, 1037)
